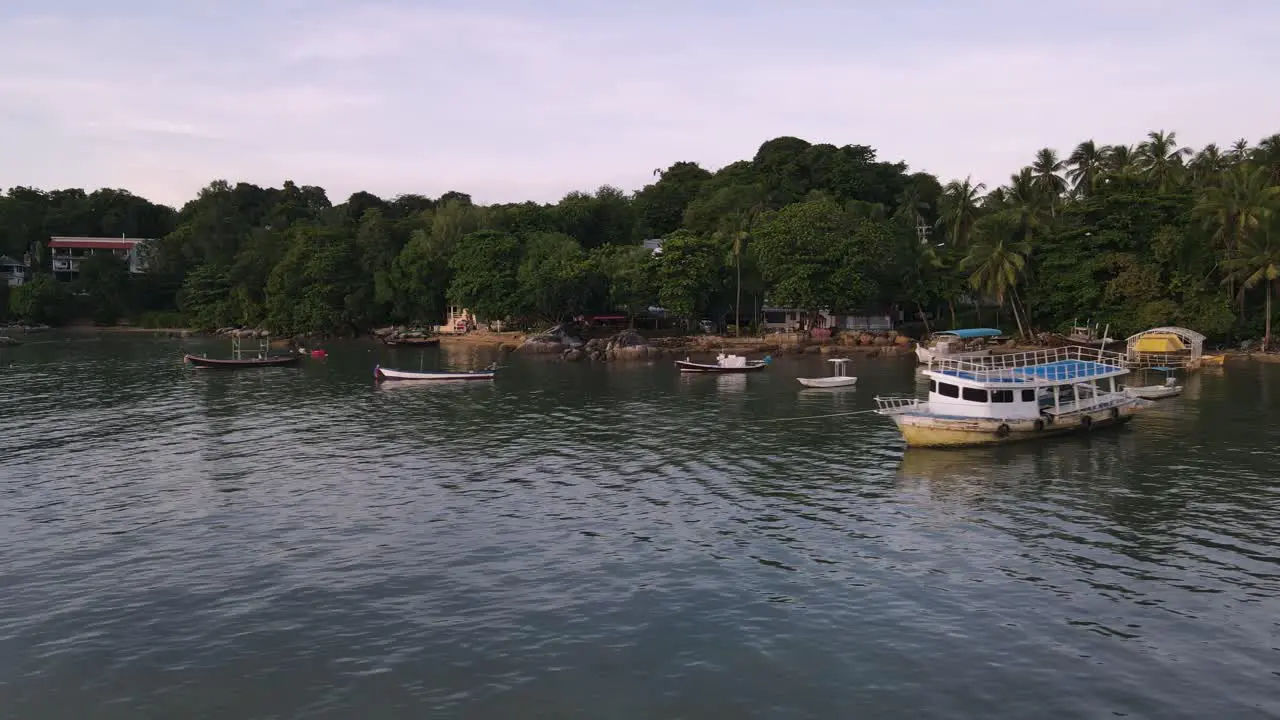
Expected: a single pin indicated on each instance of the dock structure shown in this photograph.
(1172, 347)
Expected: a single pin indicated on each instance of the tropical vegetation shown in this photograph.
(1137, 235)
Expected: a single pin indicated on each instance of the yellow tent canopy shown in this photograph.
(1159, 343)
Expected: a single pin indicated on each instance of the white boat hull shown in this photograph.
(828, 382)
(924, 354)
(382, 373)
(923, 430)
(1154, 392)
(687, 366)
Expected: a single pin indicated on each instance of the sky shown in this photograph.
(513, 101)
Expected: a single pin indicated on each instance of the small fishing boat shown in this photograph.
(1088, 336)
(966, 342)
(1170, 387)
(836, 379)
(411, 341)
(268, 361)
(723, 364)
(1022, 396)
(383, 374)
(238, 360)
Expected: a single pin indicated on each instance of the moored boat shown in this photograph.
(382, 374)
(836, 379)
(966, 342)
(1008, 398)
(1170, 387)
(411, 341)
(232, 363)
(723, 364)
(263, 358)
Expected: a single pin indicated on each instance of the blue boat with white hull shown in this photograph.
(1006, 398)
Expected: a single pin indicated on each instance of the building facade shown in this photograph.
(13, 272)
(67, 253)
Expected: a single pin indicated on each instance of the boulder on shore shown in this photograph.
(627, 345)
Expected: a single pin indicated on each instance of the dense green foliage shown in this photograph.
(1133, 236)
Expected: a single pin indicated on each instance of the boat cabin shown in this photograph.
(1016, 388)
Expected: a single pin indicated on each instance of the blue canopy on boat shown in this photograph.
(972, 333)
(1068, 370)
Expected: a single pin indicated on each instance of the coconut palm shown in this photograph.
(1162, 159)
(1239, 150)
(1237, 208)
(958, 210)
(1026, 203)
(1046, 174)
(998, 261)
(1086, 164)
(1257, 260)
(1267, 154)
(1208, 164)
(1241, 203)
(1121, 160)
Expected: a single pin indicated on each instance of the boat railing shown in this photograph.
(888, 405)
(1003, 368)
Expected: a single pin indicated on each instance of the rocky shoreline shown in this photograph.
(630, 345)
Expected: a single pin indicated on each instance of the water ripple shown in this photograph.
(621, 541)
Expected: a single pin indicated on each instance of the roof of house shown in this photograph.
(6, 260)
(95, 242)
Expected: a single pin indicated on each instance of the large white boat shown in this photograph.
(966, 342)
(1020, 396)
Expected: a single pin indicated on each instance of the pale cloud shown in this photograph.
(512, 103)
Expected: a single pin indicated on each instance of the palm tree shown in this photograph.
(1267, 154)
(1257, 260)
(1244, 201)
(1026, 202)
(1121, 160)
(1046, 176)
(958, 208)
(1239, 205)
(1162, 159)
(1239, 150)
(998, 261)
(1208, 164)
(1087, 163)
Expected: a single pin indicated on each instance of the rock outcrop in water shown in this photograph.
(626, 345)
(558, 339)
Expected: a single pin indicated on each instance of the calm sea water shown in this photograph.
(586, 541)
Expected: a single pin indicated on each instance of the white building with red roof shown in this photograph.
(68, 252)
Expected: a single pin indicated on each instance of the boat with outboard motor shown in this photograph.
(836, 379)
(724, 364)
(1020, 396)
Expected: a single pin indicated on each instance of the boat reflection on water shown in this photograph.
(966, 473)
(731, 383)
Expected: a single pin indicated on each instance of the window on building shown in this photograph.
(1002, 396)
(1028, 396)
(974, 395)
(933, 386)
(948, 390)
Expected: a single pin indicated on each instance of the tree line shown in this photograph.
(1132, 235)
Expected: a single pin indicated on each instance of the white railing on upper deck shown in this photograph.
(888, 405)
(1005, 368)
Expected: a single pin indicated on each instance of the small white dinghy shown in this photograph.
(1156, 392)
(836, 379)
(724, 364)
(380, 373)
